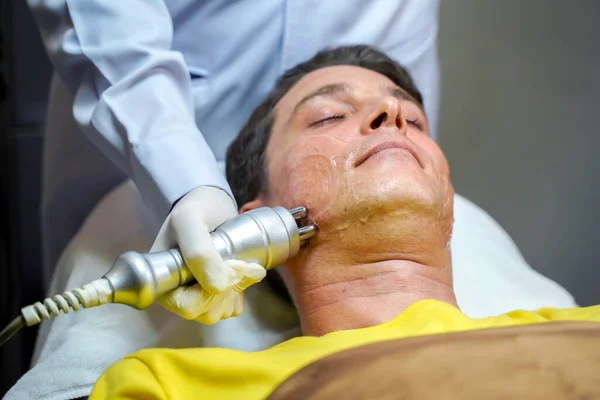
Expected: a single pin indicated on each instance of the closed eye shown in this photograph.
(415, 123)
(326, 120)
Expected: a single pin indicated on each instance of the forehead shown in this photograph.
(360, 79)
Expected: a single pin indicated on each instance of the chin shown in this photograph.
(394, 161)
(401, 189)
(404, 198)
(378, 191)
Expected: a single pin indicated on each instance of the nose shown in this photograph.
(386, 113)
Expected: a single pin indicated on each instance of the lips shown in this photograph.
(386, 146)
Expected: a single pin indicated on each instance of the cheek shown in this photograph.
(434, 153)
(307, 174)
(442, 177)
(438, 168)
(442, 169)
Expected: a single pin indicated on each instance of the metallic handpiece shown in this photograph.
(267, 236)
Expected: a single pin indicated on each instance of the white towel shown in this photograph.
(490, 275)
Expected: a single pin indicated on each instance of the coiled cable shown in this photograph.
(92, 294)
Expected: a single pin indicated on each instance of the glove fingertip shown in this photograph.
(204, 319)
(214, 280)
(239, 305)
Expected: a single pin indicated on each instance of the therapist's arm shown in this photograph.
(133, 95)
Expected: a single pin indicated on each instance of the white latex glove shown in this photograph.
(219, 291)
(194, 302)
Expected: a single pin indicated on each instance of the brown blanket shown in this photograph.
(558, 360)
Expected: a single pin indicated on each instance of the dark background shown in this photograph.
(26, 76)
(519, 124)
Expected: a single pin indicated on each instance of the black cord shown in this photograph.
(11, 329)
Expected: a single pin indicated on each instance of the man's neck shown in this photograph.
(354, 295)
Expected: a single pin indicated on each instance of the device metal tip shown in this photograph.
(299, 212)
(308, 231)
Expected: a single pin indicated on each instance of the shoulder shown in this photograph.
(130, 375)
(162, 373)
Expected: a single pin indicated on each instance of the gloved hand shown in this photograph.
(219, 291)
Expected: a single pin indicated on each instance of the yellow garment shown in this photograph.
(215, 373)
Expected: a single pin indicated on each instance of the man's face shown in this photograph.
(349, 144)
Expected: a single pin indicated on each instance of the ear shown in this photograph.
(251, 205)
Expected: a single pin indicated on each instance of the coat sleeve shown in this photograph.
(133, 96)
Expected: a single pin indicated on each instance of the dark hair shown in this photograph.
(246, 167)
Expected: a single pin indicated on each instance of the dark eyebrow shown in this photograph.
(401, 94)
(328, 90)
